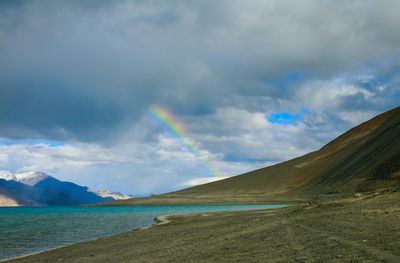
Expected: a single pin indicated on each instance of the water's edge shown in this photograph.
(158, 220)
(91, 240)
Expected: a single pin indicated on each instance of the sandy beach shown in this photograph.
(359, 229)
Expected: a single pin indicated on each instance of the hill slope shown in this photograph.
(15, 193)
(365, 158)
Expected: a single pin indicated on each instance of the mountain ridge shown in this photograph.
(365, 158)
(37, 188)
(338, 161)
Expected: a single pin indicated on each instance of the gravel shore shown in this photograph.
(364, 228)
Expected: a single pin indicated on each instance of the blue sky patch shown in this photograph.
(287, 118)
(49, 143)
(293, 76)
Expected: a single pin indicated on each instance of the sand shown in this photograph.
(364, 228)
(5, 201)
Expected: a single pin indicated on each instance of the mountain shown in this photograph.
(28, 178)
(113, 195)
(35, 188)
(365, 158)
(74, 194)
(15, 193)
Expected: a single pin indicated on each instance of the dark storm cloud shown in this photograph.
(86, 70)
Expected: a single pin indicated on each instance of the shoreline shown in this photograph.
(162, 220)
(344, 230)
(157, 221)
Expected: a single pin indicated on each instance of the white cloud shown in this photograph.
(203, 180)
(142, 166)
(114, 59)
(328, 93)
(356, 117)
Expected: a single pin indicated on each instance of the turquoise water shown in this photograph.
(26, 230)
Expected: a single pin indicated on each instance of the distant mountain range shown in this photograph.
(36, 188)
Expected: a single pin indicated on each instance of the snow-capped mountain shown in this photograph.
(6, 175)
(28, 178)
(37, 188)
(114, 195)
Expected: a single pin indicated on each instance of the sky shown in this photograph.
(237, 85)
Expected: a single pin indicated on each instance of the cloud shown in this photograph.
(72, 70)
(331, 93)
(204, 180)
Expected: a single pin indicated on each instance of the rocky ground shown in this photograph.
(363, 228)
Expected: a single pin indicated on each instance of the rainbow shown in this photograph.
(176, 130)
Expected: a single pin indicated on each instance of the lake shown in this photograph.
(27, 230)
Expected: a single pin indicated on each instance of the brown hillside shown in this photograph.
(365, 158)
